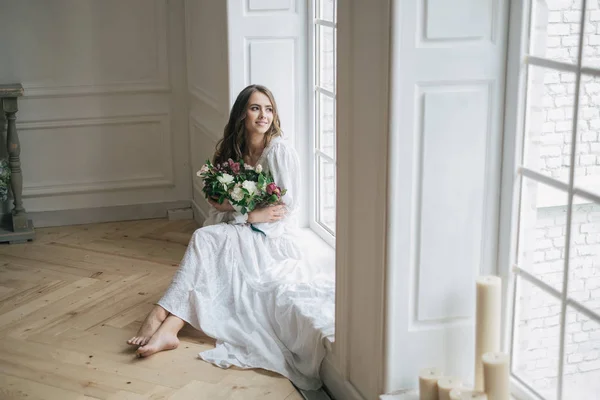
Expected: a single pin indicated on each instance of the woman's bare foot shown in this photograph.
(165, 337)
(149, 327)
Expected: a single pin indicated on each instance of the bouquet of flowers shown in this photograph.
(243, 185)
(4, 180)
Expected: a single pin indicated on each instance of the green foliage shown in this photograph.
(243, 186)
(4, 179)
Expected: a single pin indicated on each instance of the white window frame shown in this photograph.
(313, 58)
(518, 62)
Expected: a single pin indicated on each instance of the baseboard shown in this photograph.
(199, 214)
(335, 384)
(81, 216)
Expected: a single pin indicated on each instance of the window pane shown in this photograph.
(542, 232)
(536, 338)
(591, 39)
(584, 257)
(581, 374)
(326, 56)
(326, 10)
(587, 162)
(327, 125)
(326, 194)
(549, 122)
(555, 27)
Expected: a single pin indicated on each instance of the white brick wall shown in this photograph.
(537, 335)
(548, 142)
(557, 38)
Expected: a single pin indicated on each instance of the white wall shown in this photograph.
(103, 122)
(208, 84)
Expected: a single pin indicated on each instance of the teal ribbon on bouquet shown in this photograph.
(257, 230)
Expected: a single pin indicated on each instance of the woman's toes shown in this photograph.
(142, 351)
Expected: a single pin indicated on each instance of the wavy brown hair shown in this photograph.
(233, 144)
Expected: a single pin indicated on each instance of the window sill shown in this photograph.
(322, 250)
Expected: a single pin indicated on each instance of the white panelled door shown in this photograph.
(448, 67)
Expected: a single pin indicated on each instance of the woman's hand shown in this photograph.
(267, 214)
(226, 206)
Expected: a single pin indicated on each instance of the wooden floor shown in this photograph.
(69, 301)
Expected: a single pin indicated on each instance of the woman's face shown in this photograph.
(259, 113)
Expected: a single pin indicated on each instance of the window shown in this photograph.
(555, 330)
(323, 139)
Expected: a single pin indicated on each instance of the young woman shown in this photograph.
(254, 290)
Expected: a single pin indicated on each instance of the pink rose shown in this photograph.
(272, 188)
(235, 166)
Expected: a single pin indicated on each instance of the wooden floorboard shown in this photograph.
(70, 299)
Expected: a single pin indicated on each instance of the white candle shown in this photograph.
(487, 322)
(495, 375)
(445, 385)
(467, 394)
(428, 378)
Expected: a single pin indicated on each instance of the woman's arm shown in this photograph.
(226, 206)
(285, 167)
(266, 214)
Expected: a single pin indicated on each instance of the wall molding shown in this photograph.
(105, 214)
(256, 9)
(33, 90)
(166, 179)
(160, 84)
(196, 91)
(424, 41)
(205, 130)
(205, 97)
(422, 89)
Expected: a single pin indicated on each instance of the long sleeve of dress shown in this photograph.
(283, 163)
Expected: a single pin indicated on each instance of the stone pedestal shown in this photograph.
(15, 227)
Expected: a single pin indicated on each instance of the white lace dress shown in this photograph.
(267, 301)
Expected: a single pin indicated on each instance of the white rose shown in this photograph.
(248, 167)
(259, 168)
(237, 193)
(225, 179)
(250, 186)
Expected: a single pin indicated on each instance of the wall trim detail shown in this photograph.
(205, 97)
(422, 89)
(424, 41)
(81, 216)
(254, 10)
(160, 84)
(205, 130)
(164, 180)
